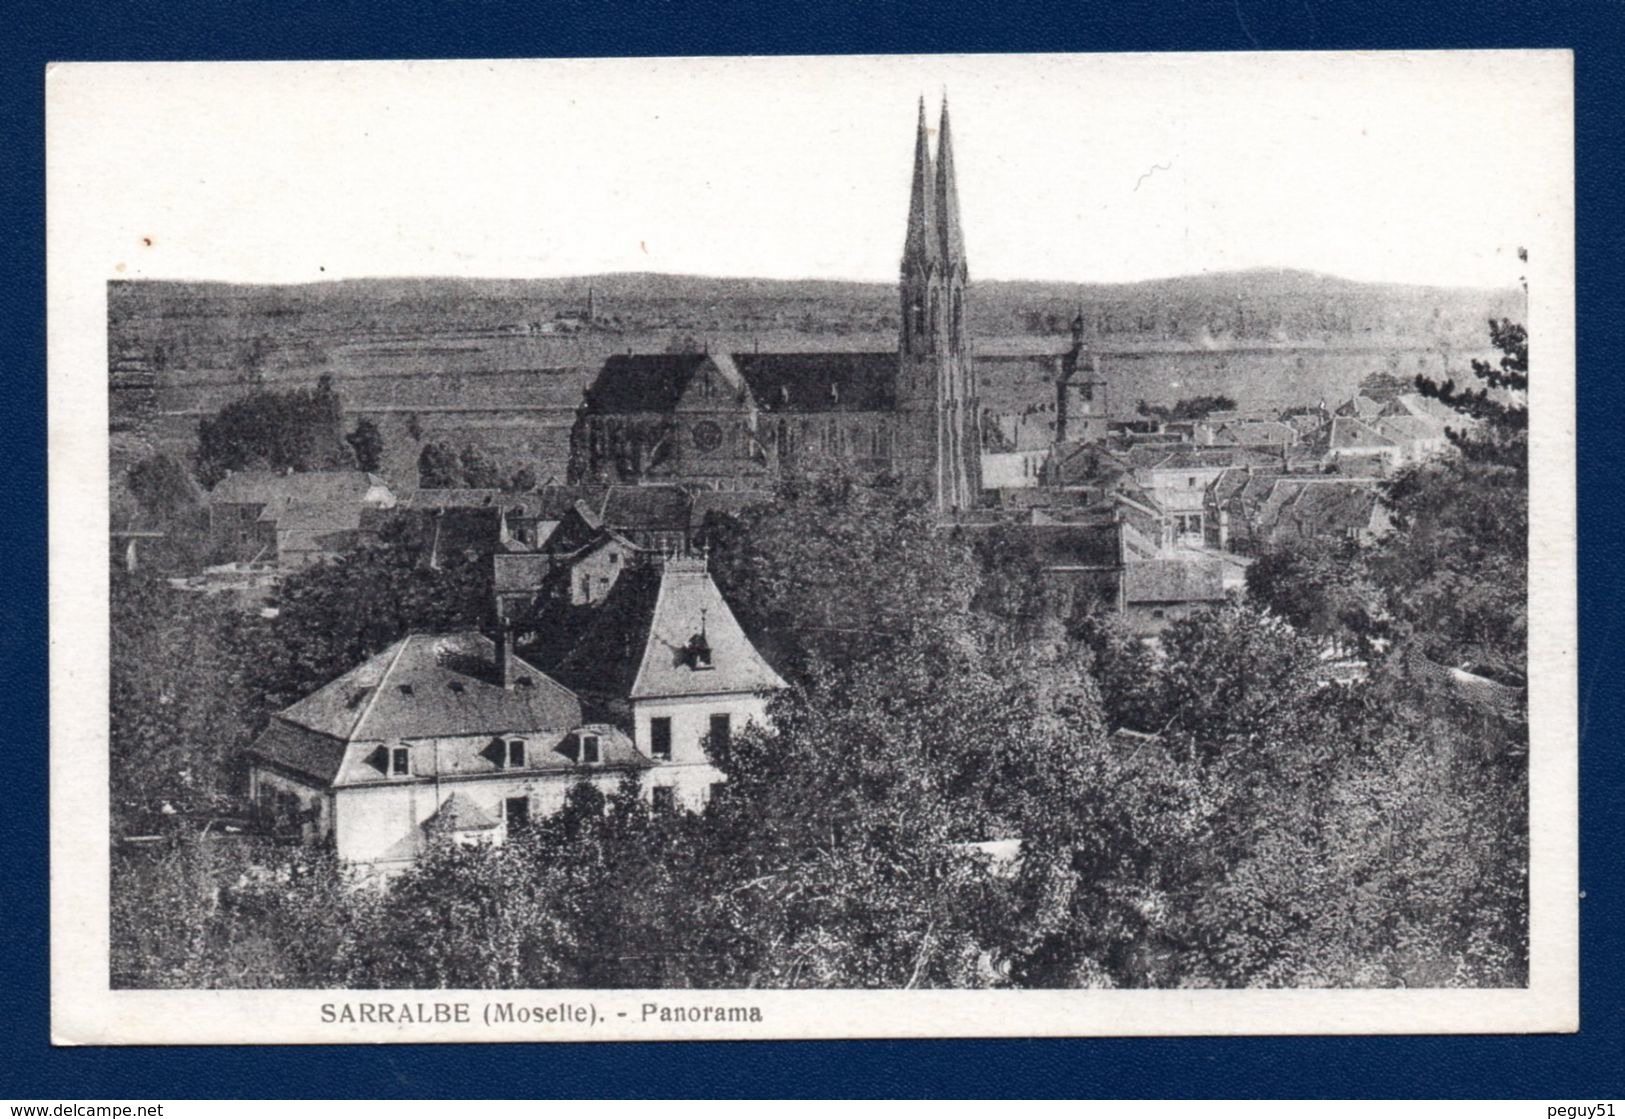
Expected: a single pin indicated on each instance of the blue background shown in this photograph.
(1588, 1065)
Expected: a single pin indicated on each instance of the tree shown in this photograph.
(841, 568)
(439, 467)
(1325, 589)
(1457, 564)
(203, 912)
(180, 698)
(331, 617)
(296, 430)
(1190, 408)
(442, 466)
(1498, 407)
(164, 488)
(479, 471)
(367, 444)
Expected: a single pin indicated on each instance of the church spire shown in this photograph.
(947, 200)
(922, 247)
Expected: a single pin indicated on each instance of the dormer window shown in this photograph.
(516, 753)
(697, 653)
(400, 762)
(589, 749)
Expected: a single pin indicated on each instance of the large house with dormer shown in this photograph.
(457, 737)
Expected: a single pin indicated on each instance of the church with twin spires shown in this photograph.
(720, 421)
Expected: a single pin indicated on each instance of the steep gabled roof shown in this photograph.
(637, 646)
(552, 502)
(604, 661)
(1260, 432)
(689, 605)
(520, 571)
(821, 381)
(424, 686)
(642, 382)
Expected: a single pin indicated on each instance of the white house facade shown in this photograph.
(457, 737)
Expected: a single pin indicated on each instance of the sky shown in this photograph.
(1413, 168)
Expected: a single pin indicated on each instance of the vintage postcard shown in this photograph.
(812, 547)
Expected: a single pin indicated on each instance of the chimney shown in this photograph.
(505, 656)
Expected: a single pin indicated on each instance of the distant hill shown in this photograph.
(1264, 305)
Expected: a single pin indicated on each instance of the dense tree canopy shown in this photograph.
(300, 429)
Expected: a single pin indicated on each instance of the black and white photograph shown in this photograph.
(745, 547)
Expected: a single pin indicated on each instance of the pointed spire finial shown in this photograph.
(921, 245)
(947, 195)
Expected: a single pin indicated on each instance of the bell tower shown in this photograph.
(938, 408)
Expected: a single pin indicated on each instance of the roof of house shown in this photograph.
(1319, 506)
(659, 508)
(1359, 405)
(1085, 463)
(1173, 580)
(1259, 432)
(1410, 429)
(637, 645)
(729, 502)
(817, 382)
(689, 605)
(1348, 433)
(1202, 458)
(1244, 491)
(552, 502)
(302, 750)
(459, 813)
(258, 487)
(429, 686)
(1426, 407)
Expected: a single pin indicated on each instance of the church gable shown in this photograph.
(716, 386)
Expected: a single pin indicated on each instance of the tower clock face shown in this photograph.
(707, 435)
